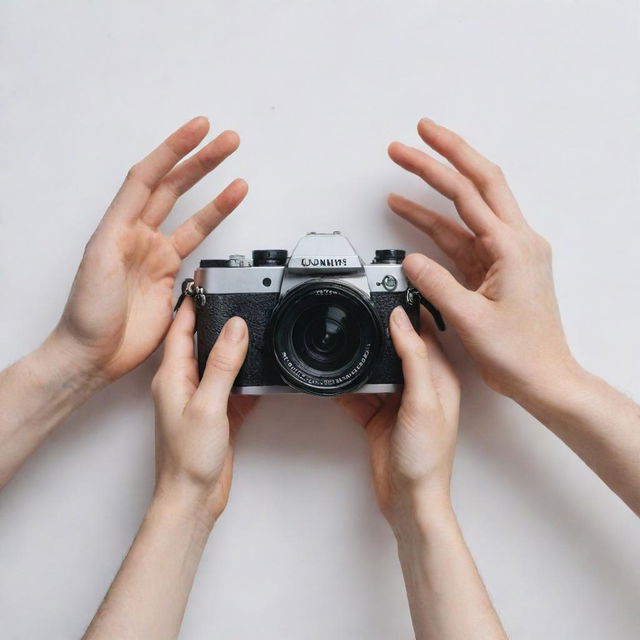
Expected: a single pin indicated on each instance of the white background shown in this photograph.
(549, 89)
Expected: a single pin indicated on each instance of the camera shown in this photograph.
(317, 319)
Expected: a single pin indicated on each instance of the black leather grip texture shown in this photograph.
(389, 367)
(259, 368)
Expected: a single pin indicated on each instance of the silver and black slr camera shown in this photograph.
(318, 319)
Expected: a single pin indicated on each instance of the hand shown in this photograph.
(411, 442)
(120, 304)
(195, 423)
(507, 316)
(411, 438)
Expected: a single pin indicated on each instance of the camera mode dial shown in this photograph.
(389, 256)
(269, 257)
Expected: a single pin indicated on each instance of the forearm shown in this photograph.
(149, 595)
(598, 422)
(36, 394)
(447, 598)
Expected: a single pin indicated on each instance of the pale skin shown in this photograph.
(411, 442)
(120, 305)
(195, 424)
(506, 312)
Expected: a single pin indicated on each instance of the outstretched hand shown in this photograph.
(120, 304)
(506, 315)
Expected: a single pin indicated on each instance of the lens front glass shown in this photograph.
(325, 336)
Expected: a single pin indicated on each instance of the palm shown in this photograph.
(410, 440)
(401, 445)
(196, 422)
(237, 408)
(120, 304)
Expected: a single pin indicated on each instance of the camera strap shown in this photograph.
(413, 295)
(190, 289)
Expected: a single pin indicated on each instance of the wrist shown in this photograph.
(553, 388)
(540, 381)
(186, 500)
(57, 382)
(420, 512)
(64, 355)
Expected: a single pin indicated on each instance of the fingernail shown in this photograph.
(401, 319)
(234, 330)
(427, 120)
(200, 119)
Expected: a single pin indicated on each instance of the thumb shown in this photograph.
(224, 362)
(419, 391)
(439, 286)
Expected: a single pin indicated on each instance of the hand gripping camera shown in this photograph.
(318, 319)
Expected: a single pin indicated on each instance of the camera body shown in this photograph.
(317, 319)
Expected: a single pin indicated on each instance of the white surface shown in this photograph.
(317, 90)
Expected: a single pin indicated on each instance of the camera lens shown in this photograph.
(325, 337)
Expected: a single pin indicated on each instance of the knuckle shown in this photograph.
(198, 225)
(545, 247)
(176, 143)
(540, 246)
(500, 241)
(464, 188)
(420, 350)
(495, 172)
(171, 185)
(421, 279)
(492, 174)
(204, 164)
(424, 170)
(134, 172)
(221, 362)
(437, 226)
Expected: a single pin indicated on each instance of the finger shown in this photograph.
(452, 238)
(223, 364)
(418, 385)
(360, 407)
(472, 208)
(445, 379)
(455, 302)
(194, 230)
(179, 340)
(178, 361)
(485, 175)
(185, 175)
(144, 176)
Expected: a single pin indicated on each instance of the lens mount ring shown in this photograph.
(325, 337)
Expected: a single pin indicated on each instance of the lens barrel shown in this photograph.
(325, 337)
